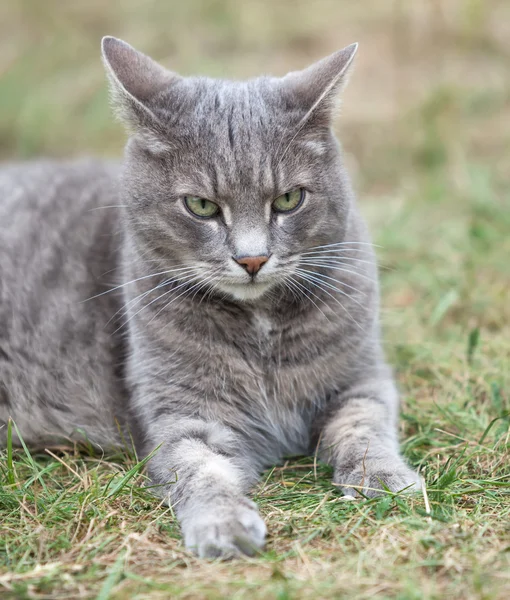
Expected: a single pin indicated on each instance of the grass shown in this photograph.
(426, 125)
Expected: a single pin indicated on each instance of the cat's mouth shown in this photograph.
(245, 291)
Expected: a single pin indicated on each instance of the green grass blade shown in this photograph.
(31, 461)
(113, 578)
(489, 426)
(124, 480)
(11, 479)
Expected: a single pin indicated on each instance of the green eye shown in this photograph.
(201, 207)
(289, 201)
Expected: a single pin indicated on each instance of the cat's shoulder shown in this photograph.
(25, 172)
(43, 181)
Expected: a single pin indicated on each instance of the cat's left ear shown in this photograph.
(317, 88)
(135, 80)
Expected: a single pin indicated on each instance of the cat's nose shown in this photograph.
(251, 263)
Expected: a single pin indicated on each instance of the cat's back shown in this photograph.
(49, 213)
(59, 246)
(52, 189)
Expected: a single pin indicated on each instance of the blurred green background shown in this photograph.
(431, 85)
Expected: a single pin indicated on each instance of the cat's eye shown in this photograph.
(289, 201)
(201, 207)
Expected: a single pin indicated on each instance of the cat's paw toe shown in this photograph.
(376, 478)
(225, 531)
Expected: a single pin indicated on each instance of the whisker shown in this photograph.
(338, 252)
(345, 244)
(155, 300)
(362, 275)
(140, 297)
(209, 292)
(315, 277)
(118, 287)
(110, 206)
(125, 307)
(338, 259)
(318, 274)
(206, 281)
(320, 286)
(192, 277)
(292, 291)
(186, 291)
(291, 280)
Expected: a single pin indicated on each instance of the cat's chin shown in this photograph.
(245, 291)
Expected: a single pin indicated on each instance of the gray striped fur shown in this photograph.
(119, 310)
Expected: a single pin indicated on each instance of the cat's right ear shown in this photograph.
(317, 88)
(135, 80)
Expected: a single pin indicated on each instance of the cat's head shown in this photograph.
(231, 182)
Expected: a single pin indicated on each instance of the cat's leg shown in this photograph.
(359, 439)
(204, 471)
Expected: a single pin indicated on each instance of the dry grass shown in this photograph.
(426, 124)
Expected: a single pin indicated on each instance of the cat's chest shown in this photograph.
(263, 326)
(289, 371)
(286, 387)
(264, 336)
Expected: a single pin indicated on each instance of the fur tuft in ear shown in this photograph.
(317, 87)
(135, 79)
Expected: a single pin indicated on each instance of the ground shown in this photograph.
(426, 130)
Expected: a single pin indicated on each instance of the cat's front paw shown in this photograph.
(225, 530)
(375, 477)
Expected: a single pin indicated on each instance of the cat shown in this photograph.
(215, 296)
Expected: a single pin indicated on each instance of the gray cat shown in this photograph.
(216, 297)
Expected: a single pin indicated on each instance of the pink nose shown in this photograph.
(252, 263)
